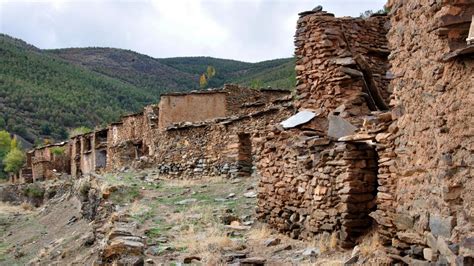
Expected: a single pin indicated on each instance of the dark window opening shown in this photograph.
(244, 159)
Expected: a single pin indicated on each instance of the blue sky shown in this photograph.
(248, 30)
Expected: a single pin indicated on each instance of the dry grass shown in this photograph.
(370, 243)
(327, 242)
(193, 182)
(207, 243)
(203, 213)
(27, 206)
(261, 232)
(137, 208)
(6, 208)
(206, 239)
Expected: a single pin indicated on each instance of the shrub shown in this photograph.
(58, 151)
(34, 191)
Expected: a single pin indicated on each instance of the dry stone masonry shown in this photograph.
(377, 136)
(312, 179)
(391, 140)
(216, 141)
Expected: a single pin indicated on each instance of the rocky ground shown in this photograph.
(135, 217)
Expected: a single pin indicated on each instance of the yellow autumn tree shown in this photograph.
(203, 81)
(211, 72)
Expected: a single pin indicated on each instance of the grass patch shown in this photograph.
(125, 195)
(142, 217)
(4, 251)
(154, 232)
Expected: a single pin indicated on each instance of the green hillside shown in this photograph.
(178, 73)
(276, 73)
(140, 70)
(43, 96)
(44, 93)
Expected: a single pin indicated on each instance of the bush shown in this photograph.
(45, 129)
(34, 191)
(58, 151)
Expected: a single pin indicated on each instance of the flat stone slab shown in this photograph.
(300, 118)
(339, 127)
(441, 226)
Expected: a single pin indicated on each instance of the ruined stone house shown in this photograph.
(378, 135)
(46, 162)
(390, 144)
(187, 135)
(183, 135)
(88, 153)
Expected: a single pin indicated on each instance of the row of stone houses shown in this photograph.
(196, 133)
(378, 133)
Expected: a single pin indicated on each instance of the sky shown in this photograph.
(246, 30)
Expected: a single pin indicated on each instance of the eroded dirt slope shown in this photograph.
(136, 217)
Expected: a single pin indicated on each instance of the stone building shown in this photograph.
(125, 141)
(44, 162)
(312, 181)
(186, 135)
(426, 187)
(183, 135)
(378, 134)
(89, 152)
(398, 157)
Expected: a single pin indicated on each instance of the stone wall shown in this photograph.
(222, 147)
(45, 164)
(194, 148)
(191, 107)
(416, 158)
(209, 104)
(429, 181)
(310, 185)
(341, 62)
(312, 181)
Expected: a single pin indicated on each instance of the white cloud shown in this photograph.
(238, 29)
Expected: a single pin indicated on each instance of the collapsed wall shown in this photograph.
(311, 182)
(341, 61)
(186, 137)
(413, 163)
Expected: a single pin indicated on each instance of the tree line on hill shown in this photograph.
(46, 93)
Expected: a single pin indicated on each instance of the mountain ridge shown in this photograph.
(44, 93)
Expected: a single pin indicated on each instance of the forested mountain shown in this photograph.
(178, 73)
(44, 93)
(140, 70)
(41, 95)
